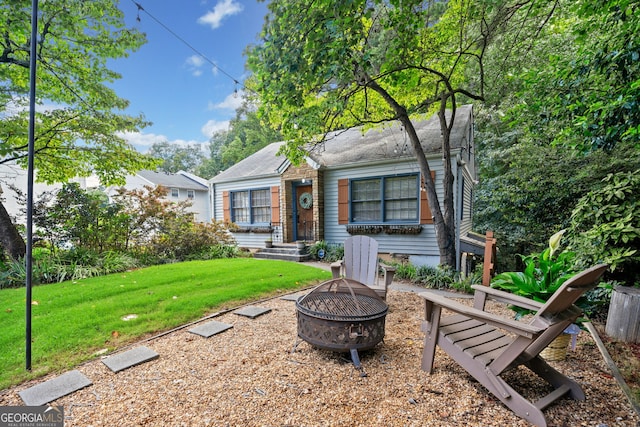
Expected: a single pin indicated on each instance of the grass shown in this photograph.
(71, 321)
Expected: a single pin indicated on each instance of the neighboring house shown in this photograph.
(12, 175)
(354, 183)
(181, 186)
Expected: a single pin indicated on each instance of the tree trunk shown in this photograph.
(447, 241)
(443, 221)
(10, 238)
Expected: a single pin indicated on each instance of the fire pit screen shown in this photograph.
(342, 315)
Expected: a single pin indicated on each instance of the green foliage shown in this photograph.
(605, 226)
(247, 134)
(405, 271)
(189, 240)
(595, 302)
(80, 124)
(583, 91)
(82, 134)
(436, 277)
(527, 189)
(74, 264)
(543, 274)
(176, 158)
(332, 252)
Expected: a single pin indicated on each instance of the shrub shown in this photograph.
(185, 240)
(115, 262)
(332, 252)
(605, 227)
(437, 277)
(13, 275)
(406, 271)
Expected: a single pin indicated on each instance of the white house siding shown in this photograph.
(13, 175)
(422, 247)
(200, 205)
(248, 240)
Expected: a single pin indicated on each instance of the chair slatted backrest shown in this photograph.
(361, 259)
(559, 312)
(571, 290)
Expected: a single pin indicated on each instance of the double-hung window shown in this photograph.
(251, 206)
(387, 199)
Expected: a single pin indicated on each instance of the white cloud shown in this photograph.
(220, 11)
(233, 101)
(195, 63)
(213, 126)
(143, 141)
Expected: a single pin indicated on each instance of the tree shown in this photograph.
(559, 122)
(528, 190)
(177, 158)
(79, 119)
(332, 65)
(587, 95)
(246, 135)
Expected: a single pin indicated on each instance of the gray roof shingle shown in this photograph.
(354, 146)
(172, 180)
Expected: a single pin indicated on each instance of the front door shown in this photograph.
(304, 213)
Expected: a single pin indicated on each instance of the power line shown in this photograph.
(189, 45)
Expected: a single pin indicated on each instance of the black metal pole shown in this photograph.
(32, 121)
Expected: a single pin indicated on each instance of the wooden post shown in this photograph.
(489, 258)
(623, 319)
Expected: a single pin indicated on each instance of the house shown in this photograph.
(13, 177)
(356, 182)
(181, 186)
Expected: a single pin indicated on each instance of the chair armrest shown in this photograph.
(510, 325)
(508, 298)
(387, 268)
(336, 267)
(389, 272)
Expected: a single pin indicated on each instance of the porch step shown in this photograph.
(286, 253)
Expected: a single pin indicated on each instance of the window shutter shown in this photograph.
(425, 211)
(226, 207)
(343, 201)
(275, 205)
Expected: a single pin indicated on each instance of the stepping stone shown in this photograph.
(210, 329)
(54, 388)
(130, 358)
(292, 297)
(252, 311)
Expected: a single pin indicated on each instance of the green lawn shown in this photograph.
(71, 321)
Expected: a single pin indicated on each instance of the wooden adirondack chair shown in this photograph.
(360, 263)
(487, 345)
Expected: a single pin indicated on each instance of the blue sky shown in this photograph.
(183, 94)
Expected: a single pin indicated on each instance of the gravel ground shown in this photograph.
(249, 376)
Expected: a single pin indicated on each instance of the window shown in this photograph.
(251, 206)
(393, 199)
(191, 194)
(175, 192)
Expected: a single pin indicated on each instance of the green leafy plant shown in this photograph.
(332, 252)
(605, 226)
(544, 273)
